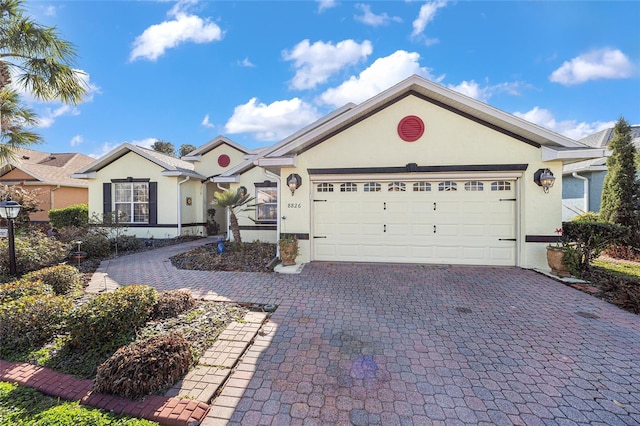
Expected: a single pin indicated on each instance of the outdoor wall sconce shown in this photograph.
(294, 181)
(544, 178)
(243, 191)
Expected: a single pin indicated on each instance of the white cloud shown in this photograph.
(316, 62)
(483, 93)
(92, 88)
(76, 140)
(370, 18)
(326, 4)
(271, 122)
(48, 116)
(206, 123)
(382, 74)
(185, 27)
(426, 15)
(594, 65)
(107, 147)
(569, 128)
(247, 63)
(50, 10)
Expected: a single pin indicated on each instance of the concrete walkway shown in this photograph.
(414, 344)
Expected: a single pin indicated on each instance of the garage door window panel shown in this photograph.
(325, 187)
(372, 187)
(501, 185)
(447, 186)
(348, 187)
(421, 187)
(397, 187)
(473, 185)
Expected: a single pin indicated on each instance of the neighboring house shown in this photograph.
(419, 173)
(50, 175)
(158, 195)
(582, 182)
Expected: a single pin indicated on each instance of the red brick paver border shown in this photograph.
(165, 410)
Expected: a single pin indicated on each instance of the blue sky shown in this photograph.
(256, 71)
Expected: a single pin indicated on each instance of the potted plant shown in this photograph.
(288, 244)
(556, 257)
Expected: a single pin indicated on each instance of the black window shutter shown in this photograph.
(106, 197)
(153, 203)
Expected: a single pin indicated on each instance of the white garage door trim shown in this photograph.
(513, 177)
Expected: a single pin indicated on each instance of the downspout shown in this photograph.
(180, 205)
(585, 188)
(228, 214)
(277, 179)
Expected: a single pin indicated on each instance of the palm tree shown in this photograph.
(36, 57)
(15, 119)
(237, 202)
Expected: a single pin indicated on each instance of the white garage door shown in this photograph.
(450, 221)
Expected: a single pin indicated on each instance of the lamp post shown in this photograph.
(9, 210)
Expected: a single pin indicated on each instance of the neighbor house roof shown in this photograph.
(599, 139)
(554, 146)
(47, 168)
(172, 166)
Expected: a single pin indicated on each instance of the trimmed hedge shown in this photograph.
(23, 287)
(32, 320)
(75, 215)
(33, 251)
(111, 316)
(587, 239)
(144, 367)
(172, 303)
(64, 279)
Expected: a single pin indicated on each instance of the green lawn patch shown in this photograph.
(21, 406)
(624, 269)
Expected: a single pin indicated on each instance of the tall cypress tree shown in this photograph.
(620, 194)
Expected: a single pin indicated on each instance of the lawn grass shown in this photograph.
(621, 269)
(22, 406)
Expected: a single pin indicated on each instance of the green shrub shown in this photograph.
(587, 217)
(586, 240)
(31, 320)
(144, 367)
(34, 250)
(75, 215)
(23, 287)
(125, 243)
(172, 303)
(96, 246)
(64, 279)
(111, 316)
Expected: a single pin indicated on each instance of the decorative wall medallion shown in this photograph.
(224, 160)
(410, 128)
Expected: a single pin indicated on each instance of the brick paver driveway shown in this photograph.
(414, 344)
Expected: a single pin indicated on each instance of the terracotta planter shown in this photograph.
(78, 256)
(555, 259)
(288, 252)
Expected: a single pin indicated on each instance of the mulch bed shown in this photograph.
(622, 292)
(246, 257)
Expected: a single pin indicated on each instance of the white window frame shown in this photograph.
(348, 187)
(261, 194)
(133, 204)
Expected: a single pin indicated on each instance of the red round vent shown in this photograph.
(410, 128)
(224, 160)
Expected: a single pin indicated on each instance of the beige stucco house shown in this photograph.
(418, 173)
(49, 175)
